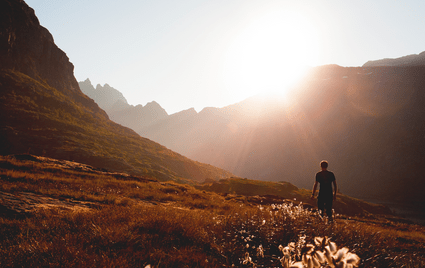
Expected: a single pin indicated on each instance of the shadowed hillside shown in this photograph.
(43, 111)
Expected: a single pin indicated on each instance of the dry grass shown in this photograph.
(144, 222)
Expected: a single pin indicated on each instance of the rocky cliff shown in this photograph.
(29, 48)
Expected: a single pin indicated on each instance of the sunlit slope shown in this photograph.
(44, 112)
(38, 119)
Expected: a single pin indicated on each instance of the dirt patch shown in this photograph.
(25, 203)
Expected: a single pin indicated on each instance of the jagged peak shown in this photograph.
(87, 81)
(190, 110)
(106, 85)
(153, 104)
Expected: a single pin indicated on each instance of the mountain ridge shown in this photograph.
(45, 113)
(409, 60)
(116, 106)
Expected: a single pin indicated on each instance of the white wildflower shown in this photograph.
(352, 259)
(285, 261)
(341, 254)
(302, 254)
(247, 259)
(296, 265)
(319, 256)
(260, 251)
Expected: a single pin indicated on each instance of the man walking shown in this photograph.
(326, 179)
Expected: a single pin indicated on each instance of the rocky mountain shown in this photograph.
(409, 60)
(116, 106)
(44, 112)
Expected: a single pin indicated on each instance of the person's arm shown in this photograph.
(335, 189)
(314, 189)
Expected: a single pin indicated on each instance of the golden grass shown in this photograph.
(140, 222)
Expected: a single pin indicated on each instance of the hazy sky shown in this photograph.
(199, 53)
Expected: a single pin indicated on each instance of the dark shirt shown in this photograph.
(325, 178)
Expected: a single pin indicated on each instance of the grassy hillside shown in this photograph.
(65, 214)
(39, 119)
(44, 112)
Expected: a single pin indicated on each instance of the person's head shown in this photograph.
(324, 164)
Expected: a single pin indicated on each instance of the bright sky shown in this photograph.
(213, 53)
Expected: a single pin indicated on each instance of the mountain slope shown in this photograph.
(44, 112)
(368, 122)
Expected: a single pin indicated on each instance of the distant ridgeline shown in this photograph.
(368, 122)
(410, 60)
(44, 112)
(118, 109)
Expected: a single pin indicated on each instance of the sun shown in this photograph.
(270, 54)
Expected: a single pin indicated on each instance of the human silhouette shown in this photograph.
(326, 196)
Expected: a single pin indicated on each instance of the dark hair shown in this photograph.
(324, 164)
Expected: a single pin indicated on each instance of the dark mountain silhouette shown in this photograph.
(410, 60)
(368, 122)
(118, 109)
(44, 112)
